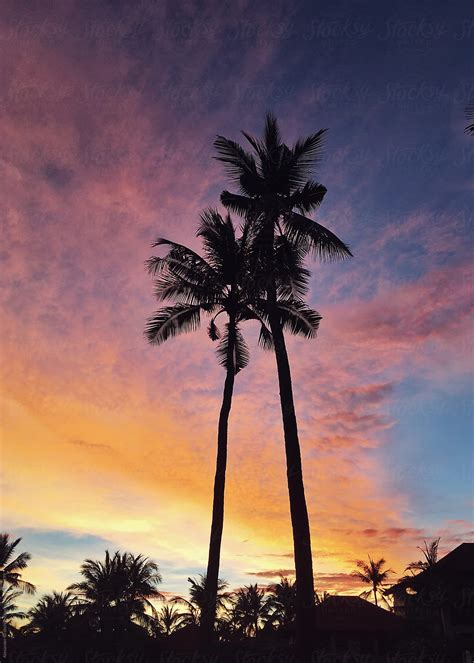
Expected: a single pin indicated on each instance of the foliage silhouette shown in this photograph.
(375, 575)
(251, 609)
(52, 614)
(11, 566)
(282, 602)
(117, 592)
(430, 553)
(9, 612)
(196, 604)
(168, 619)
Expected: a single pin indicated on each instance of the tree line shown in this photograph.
(118, 598)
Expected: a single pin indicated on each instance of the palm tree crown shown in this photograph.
(52, 614)
(119, 589)
(198, 600)
(11, 566)
(282, 601)
(9, 611)
(251, 609)
(430, 554)
(222, 282)
(276, 190)
(375, 575)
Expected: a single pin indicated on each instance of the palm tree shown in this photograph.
(375, 575)
(119, 590)
(276, 194)
(52, 614)
(196, 604)
(320, 597)
(11, 566)
(9, 610)
(218, 283)
(251, 609)
(169, 619)
(282, 601)
(430, 553)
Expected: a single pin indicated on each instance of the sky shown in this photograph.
(109, 110)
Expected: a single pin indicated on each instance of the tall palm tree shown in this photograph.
(276, 195)
(119, 590)
(52, 614)
(375, 575)
(9, 612)
(11, 566)
(218, 283)
(251, 609)
(430, 553)
(282, 601)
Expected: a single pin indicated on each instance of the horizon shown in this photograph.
(108, 443)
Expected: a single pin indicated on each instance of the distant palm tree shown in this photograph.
(320, 597)
(52, 614)
(282, 602)
(218, 283)
(9, 612)
(251, 609)
(169, 619)
(119, 590)
(430, 553)
(11, 566)
(375, 575)
(276, 193)
(196, 604)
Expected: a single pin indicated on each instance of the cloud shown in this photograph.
(272, 573)
(91, 445)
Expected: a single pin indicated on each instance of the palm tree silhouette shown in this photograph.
(251, 609)
(11, 567)
(118, 591)
(218, 283)
(276, 194)
(375, 575)
(430, 553)
(196, 604)
(52, 614)
(169, 619)
(9, 611)
(282, 601)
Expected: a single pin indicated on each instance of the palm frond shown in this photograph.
(315, 238)
(298, 318)
(309, 197)
(307, 152)
(171, 321)
(213, 331)
(265, 338)
(236, 357)
(236, 160)
(241, 205)
(271, 134)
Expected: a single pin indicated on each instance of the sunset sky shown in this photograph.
(109, 111)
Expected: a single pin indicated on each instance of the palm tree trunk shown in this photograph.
(209, 608)
(375, 595)
(298, 509)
